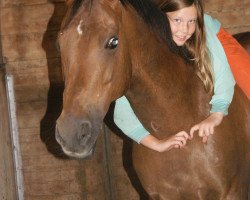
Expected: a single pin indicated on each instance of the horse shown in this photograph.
(112, 48)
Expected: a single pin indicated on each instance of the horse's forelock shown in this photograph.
(76, 4)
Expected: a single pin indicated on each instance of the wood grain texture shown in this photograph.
(29, 33)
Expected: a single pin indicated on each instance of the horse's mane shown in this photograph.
(151, 14)
(153, 17)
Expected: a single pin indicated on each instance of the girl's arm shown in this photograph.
(223, 78)
(223, 81)
(239, 61)
(126, 120)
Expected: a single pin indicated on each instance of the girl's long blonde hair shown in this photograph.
(196, 45)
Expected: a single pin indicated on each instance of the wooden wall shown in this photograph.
(29, 29)
(234, 15)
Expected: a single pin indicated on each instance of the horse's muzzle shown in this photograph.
(76, 137)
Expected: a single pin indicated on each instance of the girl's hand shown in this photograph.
(178, 140)
(206, 127)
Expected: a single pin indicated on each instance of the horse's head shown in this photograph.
(100, 41)
(96, 72)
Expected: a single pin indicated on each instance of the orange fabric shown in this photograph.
(238, 59)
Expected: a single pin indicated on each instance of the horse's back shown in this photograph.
(218, 169)
(239, 115)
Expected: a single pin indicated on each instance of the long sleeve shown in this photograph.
(126, 120)
(239, 60)
(223, 78)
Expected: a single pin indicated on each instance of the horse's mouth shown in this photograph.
(79, 155)
(83, 152)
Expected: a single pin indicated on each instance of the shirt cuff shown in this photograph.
(220, 107)
(138, 134)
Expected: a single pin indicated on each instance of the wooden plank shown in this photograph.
(30, 46)
(36, 93)
(76, 176)
(110, 186)
(235, 30)
(14, 135)
(7, 174)
(30, 19)
(56, 197)
(28, 72)
(234, 15)
(219, 5)
(11, 3)
(232, 18)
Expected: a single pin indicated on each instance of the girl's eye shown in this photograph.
(193, 21)
(112, 43)
(177, 21)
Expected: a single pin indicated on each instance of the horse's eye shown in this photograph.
(112, 43)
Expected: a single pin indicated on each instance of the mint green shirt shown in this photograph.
(125, 118)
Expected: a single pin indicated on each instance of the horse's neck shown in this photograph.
(165, 93)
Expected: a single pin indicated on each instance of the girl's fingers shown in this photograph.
(206, 131)
(211, 130)
(181, 139)
(193, 129)
(184, 134)
(201, 131)
(178, 143)
(204, 139)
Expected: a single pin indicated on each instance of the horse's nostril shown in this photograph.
(85, 130)
(86, 127)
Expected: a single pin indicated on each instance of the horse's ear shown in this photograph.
(69, 2)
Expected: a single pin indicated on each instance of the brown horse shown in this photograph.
(111, 48)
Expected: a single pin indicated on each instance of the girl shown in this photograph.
(195, 32)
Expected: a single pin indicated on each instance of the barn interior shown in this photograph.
(35, 167)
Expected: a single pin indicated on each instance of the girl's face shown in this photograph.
(182, 23)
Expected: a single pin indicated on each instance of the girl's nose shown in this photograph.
(184, 27)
